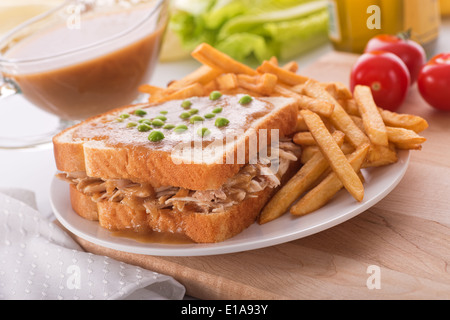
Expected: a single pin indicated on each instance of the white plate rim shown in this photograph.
(251, 238)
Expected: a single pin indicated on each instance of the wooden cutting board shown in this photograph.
(404, 239)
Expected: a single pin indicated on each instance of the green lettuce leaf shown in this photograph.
(251, 29)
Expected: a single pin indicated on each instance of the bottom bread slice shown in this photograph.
(200, 227)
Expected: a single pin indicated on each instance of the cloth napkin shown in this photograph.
(38, 260)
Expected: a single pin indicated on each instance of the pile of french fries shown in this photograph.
(340, 132)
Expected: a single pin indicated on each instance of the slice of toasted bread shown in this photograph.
(200, 227)
(106, 147)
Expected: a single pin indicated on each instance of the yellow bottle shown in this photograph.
(445, 7)
(354, 22)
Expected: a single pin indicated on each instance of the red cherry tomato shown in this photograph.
(434, 82)
(411, 53)
(385, 74)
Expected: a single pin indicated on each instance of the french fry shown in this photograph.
(201, 75)
(407, 121)
(350, 106)
(321, 107)
(266, 83)
(304, 139)
(340, 119)
(404, 138)
(336, 158)
(297, 185)
(379, 156)
(291, 66)
(227, 81)
(274, 60)
(215, 59)
(318, 106)
(283, 75)
(308, 152)
(358, 121)
(372, 121)
(146, 88)
(338, 90)
(301, 125)
(297, 89)
(320, 195)
(192, 90)
(263, 84)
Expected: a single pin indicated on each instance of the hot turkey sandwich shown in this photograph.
(202, 167)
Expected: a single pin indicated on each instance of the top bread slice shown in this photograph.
(107, 147)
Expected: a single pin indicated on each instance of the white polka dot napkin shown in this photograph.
(38, 260)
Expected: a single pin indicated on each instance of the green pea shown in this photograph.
(185, 115)
(119, 120)
(146, 121)
(203, 132)
(124, 116)
(217, 110)
(131, 124)
(196, 119)
(162, 118)
(221, 122)
(140, 112)
(169, 126)
(186, 104)
(144, 127)
(156, 136)
(245, 99)
(157, 123)
(210, 115)
(180, 128)
(164, 112)
(215, 95)
(193, 111)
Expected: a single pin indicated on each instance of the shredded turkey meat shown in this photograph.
(252, 178)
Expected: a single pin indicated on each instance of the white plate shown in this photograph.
(379, 183)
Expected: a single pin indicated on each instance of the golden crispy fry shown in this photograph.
(372, 121)
(340, 119)
(202, 75)
(297, 185)
(308, 152)
(192, 90)
(291, 66)
(350, 106)
(283, 75)
(338, 90)
(407, 121)
(304, 139)
(402, 138)
(264, 84)
(215, 59)
(297, 89)
(379, 156)
(319, 196)
(336, 158)
(358, 121)
(301, 125)
(146, 88)
(318, 106)
(227, 81)
(321, 107)
(267, 83)
(274, 61)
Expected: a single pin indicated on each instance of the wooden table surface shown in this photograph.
(405, 237)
